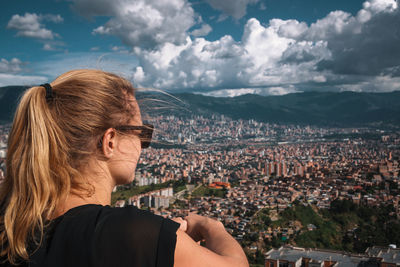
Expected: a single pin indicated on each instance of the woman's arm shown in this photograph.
(221, 249)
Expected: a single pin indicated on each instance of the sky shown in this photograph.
(212, 47)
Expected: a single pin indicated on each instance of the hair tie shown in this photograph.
(49, 91)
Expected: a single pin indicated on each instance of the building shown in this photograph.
(388, 256)
(289, 256)
(154, 199)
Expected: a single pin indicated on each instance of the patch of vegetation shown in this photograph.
(345, 226)
(256, 258)
(364, 226)
(132, 190)
(179, 185)
(305, 214)
(209, 192)
(262, 220)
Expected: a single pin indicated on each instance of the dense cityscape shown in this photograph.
(249, 174)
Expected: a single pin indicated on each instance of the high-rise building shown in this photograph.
(271, 168)
(284, 169)
(279, 169)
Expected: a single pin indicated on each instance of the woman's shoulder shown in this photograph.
(99, 224)
(115, 219)
(147, 238)
(134, 220)
(107, 214)
(128, 218)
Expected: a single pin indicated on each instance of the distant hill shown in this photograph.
(315, 108)
(9, 97)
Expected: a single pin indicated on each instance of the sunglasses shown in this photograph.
(146, 132)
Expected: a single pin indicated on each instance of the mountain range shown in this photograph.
(343, 109)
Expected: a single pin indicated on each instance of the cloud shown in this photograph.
(243, 91)
(337, 52)
(203, 31)
(305, 51)
(141, 23)
(230, 92)
(377, 6)
(281, 90)
(120, 49)
(222, 17)
(90, 8)
(255, 61)
(234, 8)
(29, 25)
(365, 44)
(12, 73)
(371, 84)
(53, 18)
(12, 66)
(197, 63)
(340, 51)
(14, 79)
(289, 28)
(48, 47)
(54, 65)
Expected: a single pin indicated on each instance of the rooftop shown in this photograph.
(344, 259)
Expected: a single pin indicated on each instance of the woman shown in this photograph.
(70, 144)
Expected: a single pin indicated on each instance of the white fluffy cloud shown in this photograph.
(197, 63)
(234, 8)
(7, 79)
(29, 25)
(339, 51)
(255, 61)
(12, 66)
(377, 6)
(365, 44)
(142, 23)
(203, 31)
(258, 91)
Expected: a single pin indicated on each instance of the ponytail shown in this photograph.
(37, 176)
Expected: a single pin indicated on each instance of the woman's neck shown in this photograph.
(101, 185)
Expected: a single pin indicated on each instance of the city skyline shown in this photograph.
(210, 47)
(271, 184)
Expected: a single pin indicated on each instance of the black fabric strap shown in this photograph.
(49, 91)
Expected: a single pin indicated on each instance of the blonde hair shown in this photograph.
(49, 142)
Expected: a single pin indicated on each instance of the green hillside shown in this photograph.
(345, 226)
(318, 108)
(9, 97)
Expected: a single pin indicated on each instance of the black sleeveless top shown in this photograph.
(100, 236)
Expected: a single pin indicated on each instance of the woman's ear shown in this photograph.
(109, 141)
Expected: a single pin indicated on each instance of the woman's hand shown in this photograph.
(220, 248)
(182, 222)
